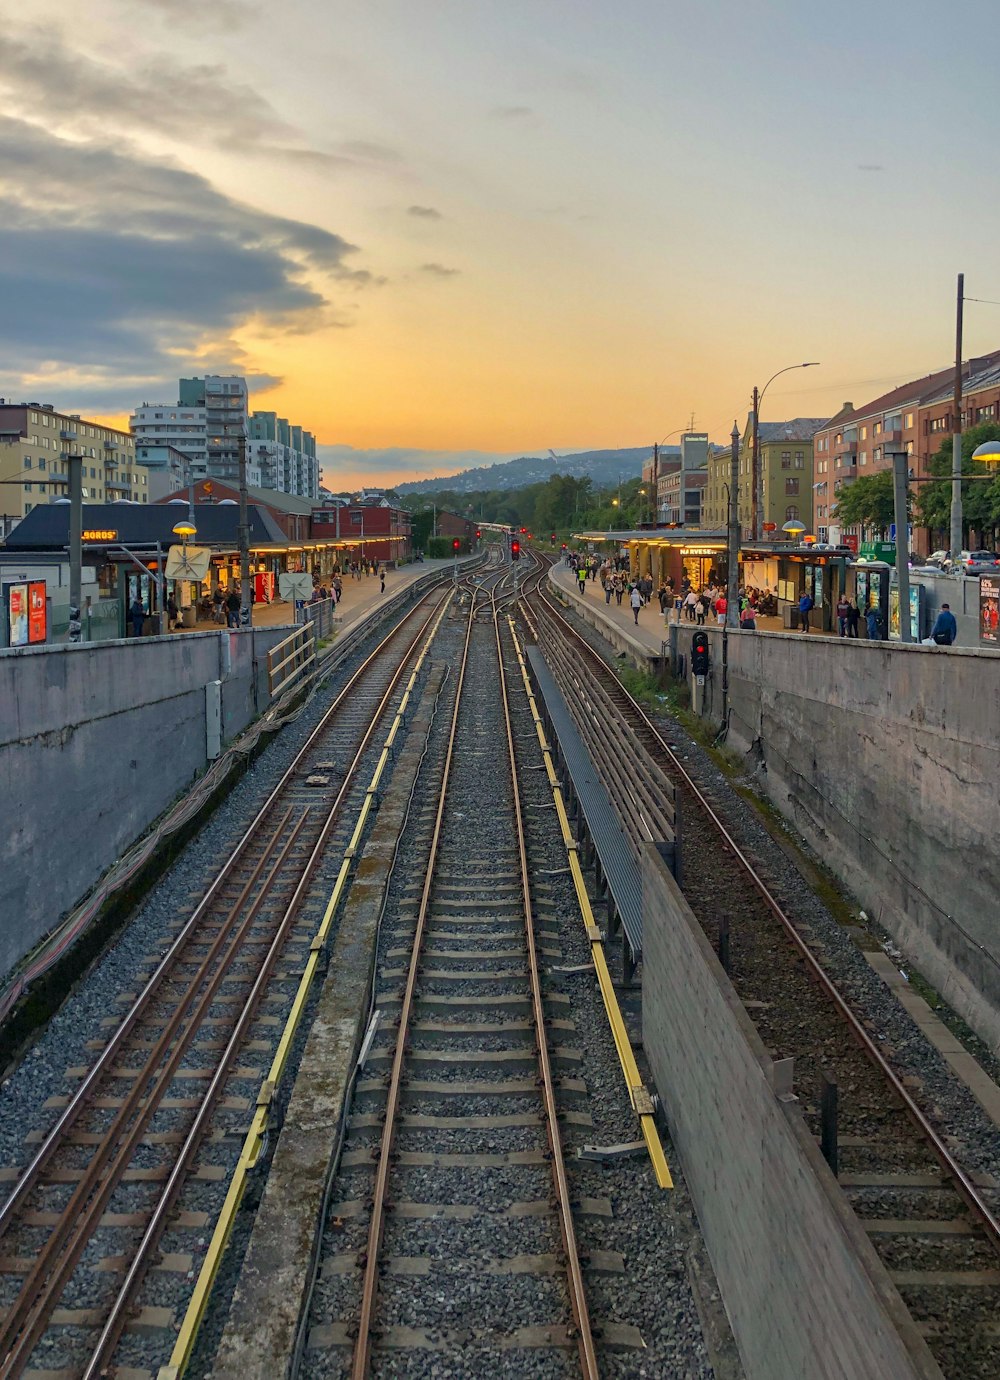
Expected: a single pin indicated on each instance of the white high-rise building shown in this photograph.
(210, 422)
(169, 424)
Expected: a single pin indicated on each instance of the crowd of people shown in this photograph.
(694, 604)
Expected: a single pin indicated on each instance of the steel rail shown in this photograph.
(255, 1137)
(33, 1170)
(118, 1316)
(960, 1178)
(574, 1269)
(25, 1322)
(376, 1228)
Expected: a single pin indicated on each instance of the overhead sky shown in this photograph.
(438, 229)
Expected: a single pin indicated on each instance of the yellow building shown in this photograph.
(786, 464)
(35, 440)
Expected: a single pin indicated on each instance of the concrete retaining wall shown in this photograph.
(805, 1292)
(96, 741)
(886, 759)
(635, 654)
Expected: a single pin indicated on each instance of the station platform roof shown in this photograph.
(665, 536)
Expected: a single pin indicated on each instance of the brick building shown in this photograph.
(374, 531)
(917, 417)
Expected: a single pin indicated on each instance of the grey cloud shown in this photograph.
(424, 213)
(511, 112)
(439, 270)
(871, 167)
(112, 266)
(40, 74)
(162, 96)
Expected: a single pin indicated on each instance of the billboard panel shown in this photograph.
(989, 610)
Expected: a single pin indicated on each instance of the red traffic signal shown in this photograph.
(478, 534)
(455, 544)
(523, 530)
(515, 550)
(552, 539)
(564, 546)
(699, 654)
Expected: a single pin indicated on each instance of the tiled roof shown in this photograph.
(916, 391)
(798, 429)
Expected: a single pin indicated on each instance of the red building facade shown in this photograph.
(367, 531)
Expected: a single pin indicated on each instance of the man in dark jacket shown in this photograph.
(805, 604)
(945, 628)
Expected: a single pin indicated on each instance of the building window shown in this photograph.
(791, 488)
(908, 420)
(791, 512)
(27, 488)
(786, 460)
(41, 463)
(864, 433)
(28, 462)
(799, 459)
(877, 429)
(877, 454)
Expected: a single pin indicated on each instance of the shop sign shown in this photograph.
(989, 610)
(99, 534)
(700, 550)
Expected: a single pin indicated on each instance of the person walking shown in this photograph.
(843, 614)
(581, 576)
(873, 623)
(635, 599)
(805, 605)
(137, 616)
(853, 617)
(619, 588)
(945, 628)
(609, 586)
(173, 612)
(381, 576)
(218, 599)
(721, 605)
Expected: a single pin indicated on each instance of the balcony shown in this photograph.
(67, 435)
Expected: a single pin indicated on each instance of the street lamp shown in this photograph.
(756, 486)
(793, 527)
(642, 508)
(988, 453)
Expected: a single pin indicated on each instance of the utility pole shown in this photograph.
(733, 583)
(956, 441)
(75, 463)
(900, 460)
(246, 604)
(656, 483)
(755, 504)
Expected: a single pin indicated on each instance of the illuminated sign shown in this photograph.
(100, 534)
(700, 550)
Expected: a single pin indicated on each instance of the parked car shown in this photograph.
(979, 560)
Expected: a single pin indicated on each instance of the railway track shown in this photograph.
(83, 1222)
(457, 1235)
(933, 1223)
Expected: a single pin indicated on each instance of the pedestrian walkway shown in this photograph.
(651, 631)
(360, 598)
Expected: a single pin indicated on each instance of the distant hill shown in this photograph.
(602, 466)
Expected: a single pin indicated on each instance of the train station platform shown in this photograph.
(652, 632)
(360, 599)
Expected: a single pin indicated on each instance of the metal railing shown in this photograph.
(291, 660)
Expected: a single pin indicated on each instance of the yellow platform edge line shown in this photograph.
(191, 1323)
(630, 1069)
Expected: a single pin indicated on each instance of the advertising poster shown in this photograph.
(37, 616)
(17, 614)
(894, 631)
(989, 609)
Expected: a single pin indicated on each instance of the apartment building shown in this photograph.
(180, 428)
(786, 451)
(35, 440)
(916, 417)
(285, 454)
(209, 423)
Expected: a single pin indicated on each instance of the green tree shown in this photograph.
(980, 500)
(868, 502)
